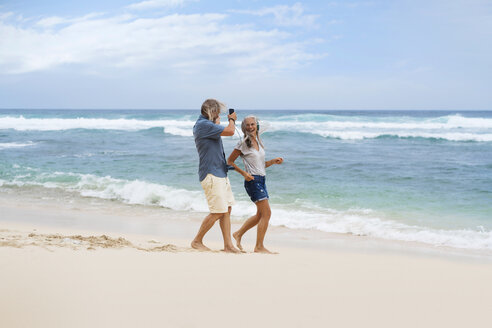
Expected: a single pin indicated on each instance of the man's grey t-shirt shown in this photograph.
(210, 149)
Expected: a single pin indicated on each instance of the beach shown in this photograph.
(358, 132)
(68, 265)
(415, 176)
(380, 219)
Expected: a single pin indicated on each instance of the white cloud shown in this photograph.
(55, 20)
(6, 15)
(150, 4)
(353, 4)
(285, 15)
(174, 42)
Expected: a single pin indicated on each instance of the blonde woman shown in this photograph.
(252, 152)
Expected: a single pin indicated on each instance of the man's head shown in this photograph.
(212, 108)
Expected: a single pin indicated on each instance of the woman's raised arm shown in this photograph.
(278, 160)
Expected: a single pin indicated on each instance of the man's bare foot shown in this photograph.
(238, 240)
(231, 249)
(199, 246)
(263, 250)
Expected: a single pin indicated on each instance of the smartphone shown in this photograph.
(231, 110)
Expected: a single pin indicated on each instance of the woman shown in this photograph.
(253, 154)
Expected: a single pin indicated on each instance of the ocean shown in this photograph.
(419, 176)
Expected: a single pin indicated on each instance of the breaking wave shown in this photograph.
(451, 127)
(300, 215)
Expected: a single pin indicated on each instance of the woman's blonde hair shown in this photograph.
(212, 108)
(247, 136)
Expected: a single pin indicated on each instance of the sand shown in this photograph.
(58, 272)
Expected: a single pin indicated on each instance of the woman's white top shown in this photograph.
(254, 160)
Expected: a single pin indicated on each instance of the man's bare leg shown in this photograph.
(225, 226)
(264, 209)
(207, 224)
(250, 223)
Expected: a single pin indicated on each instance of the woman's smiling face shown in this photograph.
(251, 125)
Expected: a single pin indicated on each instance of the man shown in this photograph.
(212, 172)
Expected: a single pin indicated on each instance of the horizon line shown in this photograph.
(261, 109)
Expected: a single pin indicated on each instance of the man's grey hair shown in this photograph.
(212, 108)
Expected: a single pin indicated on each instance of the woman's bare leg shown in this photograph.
(250, 223)
(266, 213)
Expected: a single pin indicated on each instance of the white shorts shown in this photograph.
(218, 193)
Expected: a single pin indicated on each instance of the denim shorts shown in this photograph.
(256, 188)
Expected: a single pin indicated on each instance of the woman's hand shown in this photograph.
(248, 177)
(278, 160)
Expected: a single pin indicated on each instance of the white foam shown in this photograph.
(358, 130)
(177, 127)
(141, 192)
(8, 145)
(458, 121)
(360, 223)
(395, 122)
(183, 131)
(360, 135)
(453, 127)
(131, 192)
(299, 215)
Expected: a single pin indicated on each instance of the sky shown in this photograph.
(174, 54)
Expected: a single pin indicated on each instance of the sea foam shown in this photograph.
(300, 215)
(8, 145)
(178, 127)
(451, 127)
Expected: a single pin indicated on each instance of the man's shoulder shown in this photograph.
(207, 129)
(207, 124)
(199, 119)
(202, 122)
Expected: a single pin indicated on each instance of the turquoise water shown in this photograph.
(406, 175)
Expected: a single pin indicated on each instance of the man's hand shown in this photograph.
(230, 128)
(233, 116)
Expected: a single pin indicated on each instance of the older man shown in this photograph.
(212, 172)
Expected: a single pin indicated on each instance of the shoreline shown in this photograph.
(63, 210)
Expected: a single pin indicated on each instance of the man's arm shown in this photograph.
(231, 128)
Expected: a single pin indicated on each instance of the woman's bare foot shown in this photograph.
(263, 250)
(199, 246)
(231, 249)
(238, 240)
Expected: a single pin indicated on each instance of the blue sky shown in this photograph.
(173, 54)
